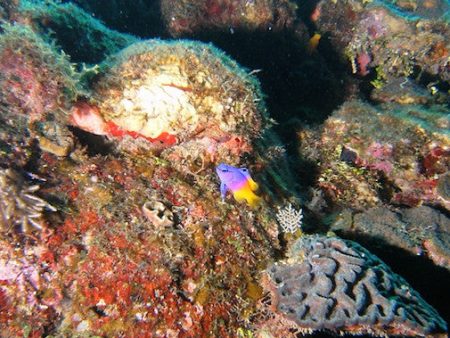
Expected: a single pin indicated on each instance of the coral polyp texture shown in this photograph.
(333, 284)
(35, 79)
(20, 208)
(402, 158)
(193, 16)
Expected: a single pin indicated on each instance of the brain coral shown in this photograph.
(332, 284)
(179, 91)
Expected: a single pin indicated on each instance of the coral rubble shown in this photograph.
(332, 284)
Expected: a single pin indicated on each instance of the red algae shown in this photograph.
(115, 271)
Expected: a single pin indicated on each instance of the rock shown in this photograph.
(183, 95)
(397, 154)
(379, 36)
(80, 35)
(419, 231)
(36, 78)
(195, 16)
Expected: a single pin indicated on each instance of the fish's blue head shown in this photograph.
(225, 172)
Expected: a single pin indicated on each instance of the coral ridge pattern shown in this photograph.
(335, 284)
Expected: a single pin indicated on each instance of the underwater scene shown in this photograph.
(224, 168)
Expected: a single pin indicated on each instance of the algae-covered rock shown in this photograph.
(135, 238)
(37, 85)
(197, 16)
(419, 231)
(393, 153)
(377, 35)
(176, 93)
(35, 78)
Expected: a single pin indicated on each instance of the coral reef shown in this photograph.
(20, 208)
(141, 250)
(394, 153)
(114, 222)
(193, 16)
(420, 230)
(332, 284)
(373, 35)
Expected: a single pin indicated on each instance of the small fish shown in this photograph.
(239, 182)
(313, 43)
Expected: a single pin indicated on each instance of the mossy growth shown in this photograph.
(36, 77)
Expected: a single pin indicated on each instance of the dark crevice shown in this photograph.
(95, 144)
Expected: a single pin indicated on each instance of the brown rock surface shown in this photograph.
(420, 230)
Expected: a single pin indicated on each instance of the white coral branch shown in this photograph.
(289, 218)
